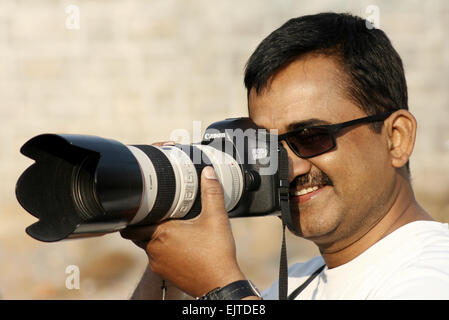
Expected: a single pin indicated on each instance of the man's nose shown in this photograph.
(296, 166)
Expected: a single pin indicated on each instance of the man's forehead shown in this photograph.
(286, 119)
(286, 115)
(290, 123)
(308, 91)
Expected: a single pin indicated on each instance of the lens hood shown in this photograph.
(49, 188)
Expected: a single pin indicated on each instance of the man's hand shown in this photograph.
(196, 255)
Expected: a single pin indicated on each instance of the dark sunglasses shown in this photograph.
(312, 141)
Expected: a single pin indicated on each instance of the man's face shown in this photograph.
(355, 180)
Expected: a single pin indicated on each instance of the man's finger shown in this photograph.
(212, 199)
(163, 143)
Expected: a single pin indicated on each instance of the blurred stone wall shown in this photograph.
(135, 71)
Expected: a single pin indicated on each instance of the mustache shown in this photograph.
(312, 179)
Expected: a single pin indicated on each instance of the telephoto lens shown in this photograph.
(82, 186)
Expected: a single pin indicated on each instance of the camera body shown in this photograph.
(82, 186)
(263, 161)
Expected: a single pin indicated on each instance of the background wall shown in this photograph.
(136, 70)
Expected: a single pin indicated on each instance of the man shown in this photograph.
(350, 188)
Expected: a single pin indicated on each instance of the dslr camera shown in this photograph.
(81, 186)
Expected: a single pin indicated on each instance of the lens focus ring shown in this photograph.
(166, 183)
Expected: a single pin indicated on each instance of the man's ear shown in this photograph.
(401, 133)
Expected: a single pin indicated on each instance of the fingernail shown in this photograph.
(169, 143)
(209, 173)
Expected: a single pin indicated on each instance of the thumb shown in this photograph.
(212, 199)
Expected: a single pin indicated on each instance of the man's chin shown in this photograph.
(315, 225)
(322, 236)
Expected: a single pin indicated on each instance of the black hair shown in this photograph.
(377, 80)
(374, 73)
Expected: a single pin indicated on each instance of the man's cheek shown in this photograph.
(338, 169)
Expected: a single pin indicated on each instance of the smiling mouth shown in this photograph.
(305, 191)
(307, 186)
(305, 194)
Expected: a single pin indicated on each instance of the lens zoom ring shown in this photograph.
(205, 161)
(166, 183)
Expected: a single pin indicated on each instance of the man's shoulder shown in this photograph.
(428, 241)
(424, 279)
(422, 268)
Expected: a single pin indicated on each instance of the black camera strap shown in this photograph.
(283, 272)
(287, 222)
(298, 290)
(283, 268)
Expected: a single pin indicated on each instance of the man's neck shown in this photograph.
(404, 210)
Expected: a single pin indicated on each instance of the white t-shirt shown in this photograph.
(410, 263)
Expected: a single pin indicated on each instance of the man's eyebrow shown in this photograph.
(306, 123)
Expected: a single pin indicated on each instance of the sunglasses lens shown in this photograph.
(311, 142)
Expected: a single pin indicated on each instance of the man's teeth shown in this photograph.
(305, 191)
